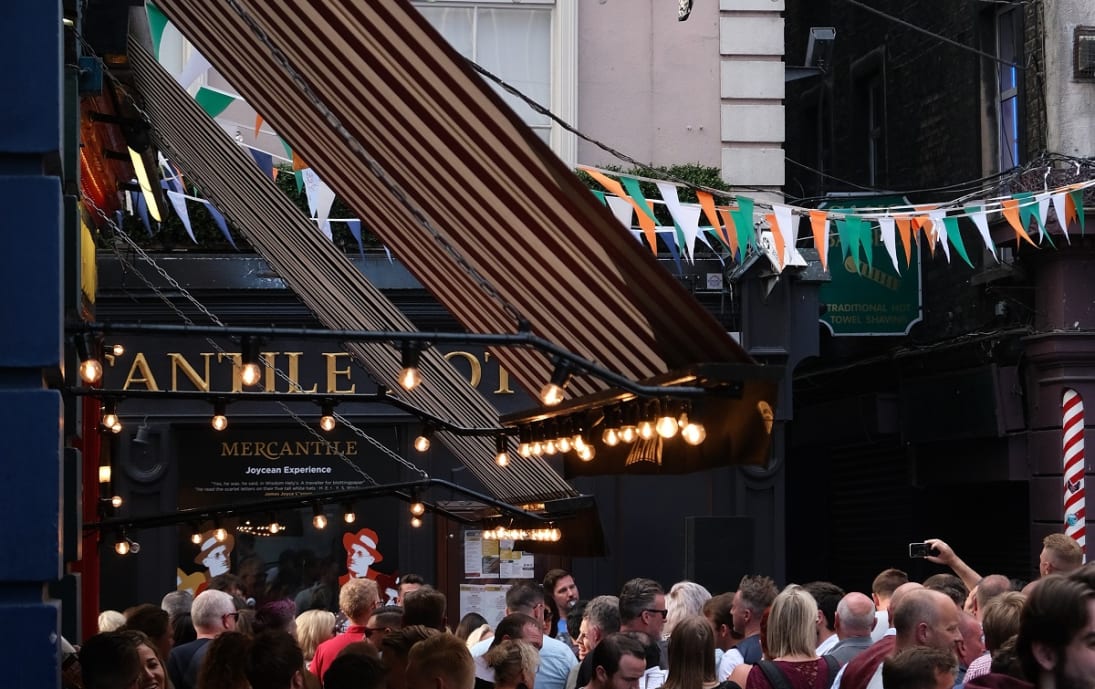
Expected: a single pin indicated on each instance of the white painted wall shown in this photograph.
(1070, 104)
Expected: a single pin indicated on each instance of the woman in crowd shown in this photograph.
(224, 662)
(692, 655)
(685, 599)
(313, 628)
(153, 673)
(792, 640)
(469, 623)
(155, 623)
(514, 664)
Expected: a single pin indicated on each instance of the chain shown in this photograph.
(220, 350)
(374, 166)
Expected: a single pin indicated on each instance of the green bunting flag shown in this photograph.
(954, 236)
(743, 225)
(157, 22)
(213, 102)
(1077, 197)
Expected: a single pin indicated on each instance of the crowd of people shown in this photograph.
(954, 630)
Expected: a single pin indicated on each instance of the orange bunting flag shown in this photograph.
(904, 230)
(614, 187)
(730, 237)
(819, 223)
(258, 124)
(777, 238)
(1011, 213)
(707, 203)
(298, 163)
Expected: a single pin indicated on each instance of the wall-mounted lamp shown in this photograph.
(410, 377)
(553, 392)
(327, 416)
(141, 437)
(250, 372)
(219, 420)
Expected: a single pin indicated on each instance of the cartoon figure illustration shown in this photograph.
(189, 582)
(215, 555)
(361, 555)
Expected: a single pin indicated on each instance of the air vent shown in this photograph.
(1083, 44)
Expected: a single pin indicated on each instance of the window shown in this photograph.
(530, 45)
(1009, 37)
(869, 80)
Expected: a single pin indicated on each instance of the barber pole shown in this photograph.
(1072, 412)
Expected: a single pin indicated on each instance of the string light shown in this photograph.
(250, 373)
(422, 442)
(327, 417)
(551, 535)
(416, 522)
(555, 389)
(220, 534)
(88, 352)
(219, 420)
(110, 415)
(319, 519)
(417, 508)
(666, 426)
(104, 473)
(410, 377)
(693, 433)
(501, 454)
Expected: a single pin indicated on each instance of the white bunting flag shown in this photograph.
(194, 68)
(940, 229)
(1062, 215)
(981, 222)
(622, 209)
(178, 202)
(686, 217)
(787, 231)
(889, 239)
(1043, 211)
(320, 199)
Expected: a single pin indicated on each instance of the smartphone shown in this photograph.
(921, 550)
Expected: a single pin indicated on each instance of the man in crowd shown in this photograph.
(618, 663)
(212, 614)
(425, 606)
(602, 617)
(518, 627)
(972, 644)
(854, 620)
(919, 667)
(274, 661)
(1060, 554)
(408, 583)
(827, 595)
(882, 590)
(923, 617)
(357, 599)
(717, 612)
(440, 662)
(754, 594)
(385, 619)
(556, 658)
(562, 595)
(642, 609)
(1056, 643)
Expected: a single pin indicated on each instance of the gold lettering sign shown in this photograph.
(276, 449)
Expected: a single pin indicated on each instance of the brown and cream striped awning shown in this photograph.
(479, 209)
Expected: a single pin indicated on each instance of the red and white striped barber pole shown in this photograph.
(1072, 413)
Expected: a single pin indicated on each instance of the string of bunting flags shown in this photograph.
(738, 222)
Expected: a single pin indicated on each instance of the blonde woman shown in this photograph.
(313, 628)
(685, 599)
(792, 641)
(514, 664)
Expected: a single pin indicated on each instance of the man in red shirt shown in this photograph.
(357, 599)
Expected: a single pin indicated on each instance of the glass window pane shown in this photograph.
(454, 23)
(1009, 132)
(515, 45)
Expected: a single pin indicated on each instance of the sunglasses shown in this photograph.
(663, 613)
(369, 631)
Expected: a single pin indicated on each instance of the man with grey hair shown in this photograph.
(212, 613)
(854, 620)
(601, 618)
(177, 603)
(642, 609)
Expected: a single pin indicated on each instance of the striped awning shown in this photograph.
(479, 209)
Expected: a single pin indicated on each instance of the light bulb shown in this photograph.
(320, 521)
(274, 527)
(220, 534)
(417, 508)
(587, 454)
(551, 394)
(196, 538)
(250, 374)
(416, 522)
(410, 378)
(422, 443)
(91, 371)
(220, 422)
(349, 517)
(117, 349)
(122, 547)
(549, 447)
(611, 437)
(110, 419)
(116, 501)
(694, 433)
(537, 448)
(646, 429)
(563, 445)
(502, 458)
(628, 434)
(524, 449)
(327, 423)
(117, 427)
(578, 443)
(666, 427)
(104, 473)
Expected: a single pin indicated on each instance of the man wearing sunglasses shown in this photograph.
(642, 609)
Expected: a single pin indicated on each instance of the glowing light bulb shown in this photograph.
(694, 433)
(117, 349)
(551, 394)
(221, 534)
(250, 374)
(274, 527)
(611, 437)
(422, 443)
(122, 547)
(110, 419)
(104, 473)
(91, 371)
(410, 378)
(417, 508)
(537, 448)
(563, 445)
(587, 454)
(116, 501)
(219, 422)
(196, 538)
(327, 422)
(416, 522)
(320, 521)
(524, 449)
(628, 434)
(117, 427)
(549, 447)
(502, 458)
(349, 517)
(646, 429)
(666, 427)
